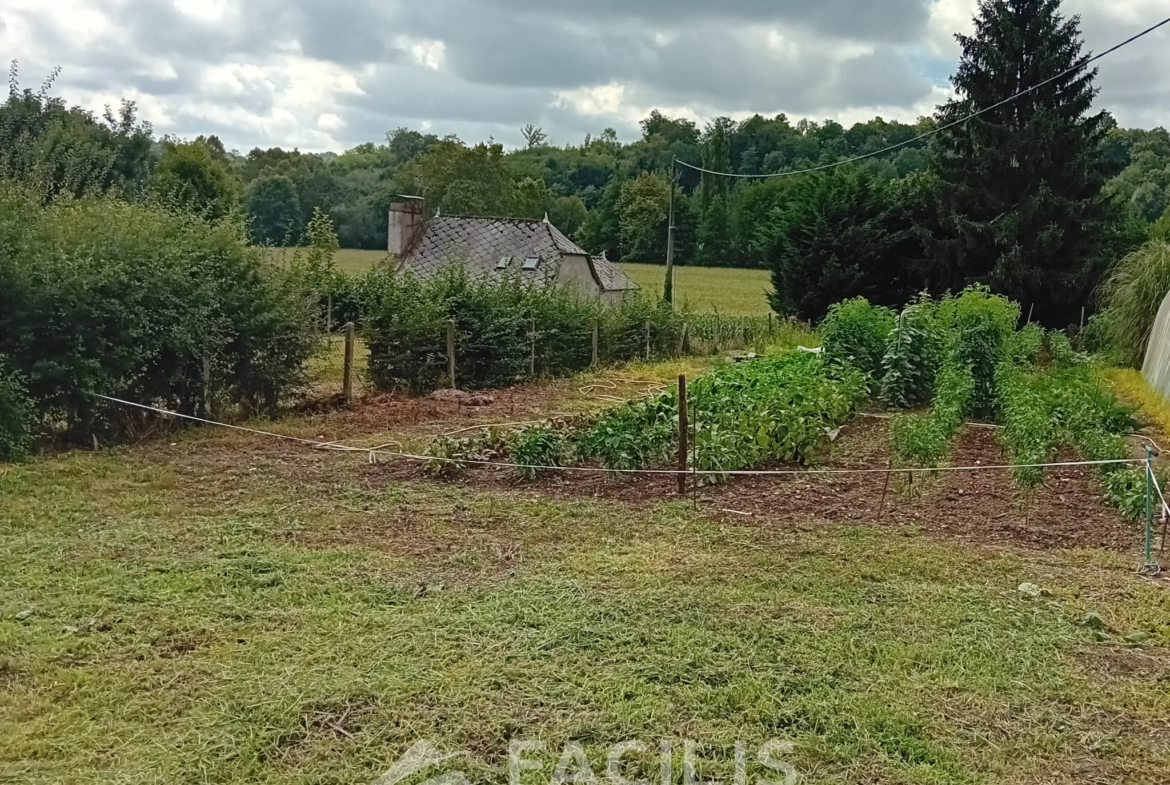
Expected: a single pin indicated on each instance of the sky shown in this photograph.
(326, 75)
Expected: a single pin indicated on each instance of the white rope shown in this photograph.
(372, 451)
(1158, 488)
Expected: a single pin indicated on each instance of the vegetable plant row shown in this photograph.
(780, 408)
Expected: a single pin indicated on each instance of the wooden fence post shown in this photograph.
(532, 354)
(596, 341)
(682, 435)
(347, 382)
(647, 340)
(206, 380)
(451, 353)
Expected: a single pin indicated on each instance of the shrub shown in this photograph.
(912, 356)
(856, 332)
(623, 328)
(1131, 295)
(16, 416)
(100, 296)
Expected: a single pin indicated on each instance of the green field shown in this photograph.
(216, 607)
(730, 291)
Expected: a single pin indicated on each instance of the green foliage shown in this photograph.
(843, 234)
(101, 296)
(1130, 296)
(1144, 184)
(57, 149)
(194, 176)
(1028, 427)
(450, 455)
(922, 439)
(1020, 186)
(775, 409)
(1060, 349)
(16, 415)
(1026, 344)
(274, 211)
(855, 332)
(981, 326)
(538, 446)
(913, 354)
(644, 206)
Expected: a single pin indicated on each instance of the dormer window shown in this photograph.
(531, 262)
(503, 262)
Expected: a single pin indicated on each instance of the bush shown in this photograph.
(99, 296)
(16, 416)
(1131, 295)
(856, 333)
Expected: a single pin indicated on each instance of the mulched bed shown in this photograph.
(1069, 511)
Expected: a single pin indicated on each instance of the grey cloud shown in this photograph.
(507, 60)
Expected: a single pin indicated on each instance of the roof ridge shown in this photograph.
(491, 218)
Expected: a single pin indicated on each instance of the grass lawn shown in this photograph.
(215, 607)
(730, 291)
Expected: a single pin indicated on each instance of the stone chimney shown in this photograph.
(406, 226)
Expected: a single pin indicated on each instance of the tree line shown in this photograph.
(1035, 198)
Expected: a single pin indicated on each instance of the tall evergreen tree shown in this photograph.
(1020, 186)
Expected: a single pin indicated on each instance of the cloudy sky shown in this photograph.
(329, 74)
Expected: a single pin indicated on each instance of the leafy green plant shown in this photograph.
(1060, 349)
(922, 439)
(1027, 425)
(980, 325)
(1026, 344)
(856, 333)
(450, 455)
(779, 408)
(537, 446)
(912, 356)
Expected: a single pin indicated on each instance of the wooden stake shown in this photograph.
(347, 382)
(647, 340)
(206, 381)
(885, 488)
(451, 353)
(532, 355)
(682, 435)
(596, 341)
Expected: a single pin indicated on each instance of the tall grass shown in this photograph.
(1131, 294)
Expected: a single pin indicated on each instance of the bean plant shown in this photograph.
(537, 446)
(913, 353)
(855, 333)
(1027, 425)
(922, 439)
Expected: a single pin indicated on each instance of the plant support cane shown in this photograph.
(1150, 566)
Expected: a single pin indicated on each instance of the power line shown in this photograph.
(855, 159)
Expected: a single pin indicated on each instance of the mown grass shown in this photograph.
(222, 613)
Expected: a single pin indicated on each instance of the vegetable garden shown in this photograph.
(929, 370)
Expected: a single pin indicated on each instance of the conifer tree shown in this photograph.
(714, 228)
(1020, 186)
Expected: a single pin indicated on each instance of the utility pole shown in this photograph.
(668, 287)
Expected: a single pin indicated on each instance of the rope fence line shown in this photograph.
(380, 450)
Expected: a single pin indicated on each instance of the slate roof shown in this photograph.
(480, 243)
